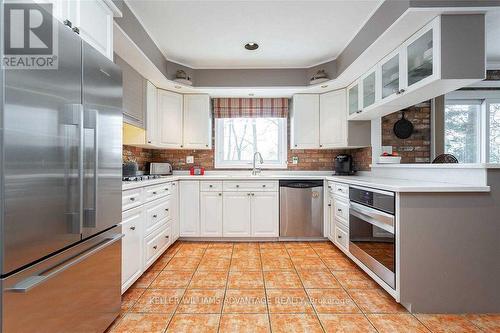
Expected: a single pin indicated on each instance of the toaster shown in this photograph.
(160, 169)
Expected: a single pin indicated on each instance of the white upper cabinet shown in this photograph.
(434, 61)
(152, 128)
(197, 122)
(304, 122)
(92, 19)
(170, 119)
(333, 119)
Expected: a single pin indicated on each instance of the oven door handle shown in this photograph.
(379, 219)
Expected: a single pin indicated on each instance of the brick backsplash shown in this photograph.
(309, 159)
(417, 148)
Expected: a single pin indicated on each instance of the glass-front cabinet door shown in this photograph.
(369, 89)
(420, 58)
(390, 75)
(353, 98)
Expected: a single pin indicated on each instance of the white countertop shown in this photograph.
(364, 179)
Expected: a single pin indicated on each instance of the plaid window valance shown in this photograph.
(250, 107)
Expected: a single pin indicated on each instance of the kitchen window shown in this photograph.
(472, 129)
(461, 127)
(237, 139)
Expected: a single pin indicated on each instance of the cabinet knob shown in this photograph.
(166, 209)
(149, 141)
(264, 185)
(359, 111)
(182, 146)
(154, 192)
(206, 145)
(253, 194)
(155, 216)
(210, 186)
(155, 247)
(237, 185)
(132, 228)
(248, 194)
(220, 194)
(329, 205)
(321, 145)
(166, 188)
(339, 237)
(173, 184)
(68, 23)
(339, 210)
(76, 30)
(166, 236)
(132, 199)
(295, 145)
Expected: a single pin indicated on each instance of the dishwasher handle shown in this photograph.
(301, 183)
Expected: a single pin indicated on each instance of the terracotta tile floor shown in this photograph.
(263, 287)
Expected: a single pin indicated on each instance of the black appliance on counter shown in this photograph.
(344, 165)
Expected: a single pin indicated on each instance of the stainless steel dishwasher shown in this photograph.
(301, 209)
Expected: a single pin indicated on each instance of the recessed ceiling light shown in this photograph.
(324, 86)
(251, 46)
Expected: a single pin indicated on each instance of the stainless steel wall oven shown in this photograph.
(372, 231)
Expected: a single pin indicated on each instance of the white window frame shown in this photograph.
(486, 98)
(219, 162)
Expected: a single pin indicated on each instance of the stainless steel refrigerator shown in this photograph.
(60, 151)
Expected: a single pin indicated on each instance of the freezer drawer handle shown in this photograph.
(34, 281)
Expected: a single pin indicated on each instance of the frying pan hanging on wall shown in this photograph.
(403, 128)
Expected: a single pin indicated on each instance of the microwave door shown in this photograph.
(102, 103)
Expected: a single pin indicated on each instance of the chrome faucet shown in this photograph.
(256, 171)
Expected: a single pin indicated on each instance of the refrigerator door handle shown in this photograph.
(73, 116)
(31, 282)
(91, 122)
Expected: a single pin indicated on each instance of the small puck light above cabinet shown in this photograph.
(319, 121)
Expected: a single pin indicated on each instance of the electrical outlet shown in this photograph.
(295, 160)
(190, 159)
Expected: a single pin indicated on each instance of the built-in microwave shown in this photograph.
(372, 236)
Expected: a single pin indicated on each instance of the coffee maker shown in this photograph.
(344, 165)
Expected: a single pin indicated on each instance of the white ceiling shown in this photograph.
(493, 36)
(291, 33)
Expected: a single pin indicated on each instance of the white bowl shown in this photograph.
(389, 159)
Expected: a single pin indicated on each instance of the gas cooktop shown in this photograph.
(139, 178)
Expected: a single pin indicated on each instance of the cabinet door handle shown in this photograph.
(132, 228)
(237, 185)
(154, 192)
(166, 209)
(339, 210)
(210, 186)
(253, 194)
(329, 205)
(402, 91)
(76, 30)
(132, 199)
(166, 237)
(155, 216)
(166, 188)
(359, 111)
(68, 23)
(339, 237)
(264, 185)
(155, 247)
(321, 145)
(248, 194)
(206, 145)
(220, 194)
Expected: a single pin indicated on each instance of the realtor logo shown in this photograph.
(30, 36)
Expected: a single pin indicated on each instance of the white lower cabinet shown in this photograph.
(148, 228)
(132, 249)
(236, 214)
(331, 217)
(174, 207)
(211, 214)
(265, 214)
(189, 208)
(338, 214)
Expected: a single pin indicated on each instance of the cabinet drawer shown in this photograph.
(154, 245)
(210, 186)
(331, 187)
(250, 185)
(157, 191)
(342, 190)
(341, 238)
(157, 212)
(341, 207)
(131, 198)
